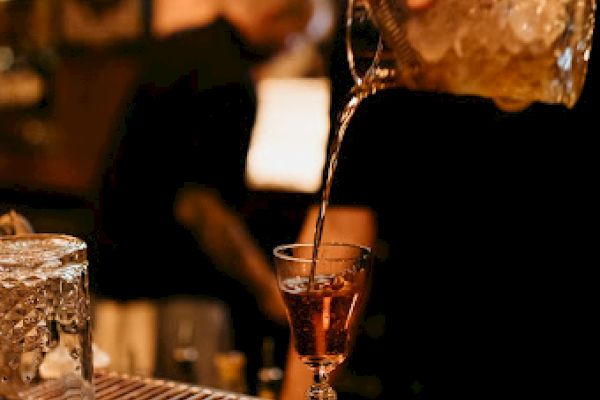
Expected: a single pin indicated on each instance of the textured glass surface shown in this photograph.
(44, 314)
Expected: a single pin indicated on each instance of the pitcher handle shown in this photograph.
(357, 11)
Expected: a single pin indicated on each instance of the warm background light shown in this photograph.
(289, 141)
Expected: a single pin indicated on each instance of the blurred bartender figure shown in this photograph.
(170, 213)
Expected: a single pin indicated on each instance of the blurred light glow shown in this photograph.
(322, 21)
(288, 148)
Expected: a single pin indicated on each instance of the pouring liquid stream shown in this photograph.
(365, 85)
(357, 95)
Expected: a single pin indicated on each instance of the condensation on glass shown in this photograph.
(45, 332)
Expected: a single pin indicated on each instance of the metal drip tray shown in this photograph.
(113, 386)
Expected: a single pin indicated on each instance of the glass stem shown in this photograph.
(320, 389)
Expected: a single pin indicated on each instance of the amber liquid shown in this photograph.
(322, 319)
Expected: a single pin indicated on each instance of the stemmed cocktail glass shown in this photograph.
(324, 299)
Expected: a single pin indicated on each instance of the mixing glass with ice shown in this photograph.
(514, 51)
(44, 317)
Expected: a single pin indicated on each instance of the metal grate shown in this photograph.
(113, 386)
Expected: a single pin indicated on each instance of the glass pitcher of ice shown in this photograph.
(513, 51)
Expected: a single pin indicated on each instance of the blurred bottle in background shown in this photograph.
(231, 368)
(269, 375)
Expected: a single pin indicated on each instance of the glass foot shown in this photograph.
(321, 391)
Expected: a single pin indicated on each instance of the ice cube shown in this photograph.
(486, 23)
(433, 32)
(57, 363)
(538, 20)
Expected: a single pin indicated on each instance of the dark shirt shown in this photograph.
(188, 122)
(483, 220)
